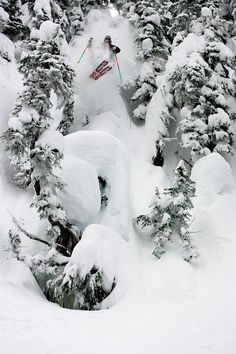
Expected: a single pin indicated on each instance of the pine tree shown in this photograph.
(152, 52)
(203, 87)
(76, 291)
(170, 216)
(44, 70)
(10, 22)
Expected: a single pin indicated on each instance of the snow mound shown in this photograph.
(81, 195)
(51, 138)
(48, 31)
(212, 174)
(104, 249)
(109, 157)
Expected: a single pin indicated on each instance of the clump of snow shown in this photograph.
(212, 175)
(81, 196)
(147, 44)
(48, 31)
(206, 12)
(51, 138)
(15, 124)
(28, 114)
(104, 249)
(3, 15)
(42, 8)
(220, 118)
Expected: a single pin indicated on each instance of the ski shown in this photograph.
(98, 69)
(102, 72)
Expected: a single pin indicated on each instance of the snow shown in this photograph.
(48, 31)
(3, 15)
(147, 44)
(27, 114)
(81, 195)
(7, 49)
(42, 8)
(166, 306)
(51, 138)
(212, 175)
(220, 118)
(107, 251)
(108, 156)
(15, 124)
(206, 12)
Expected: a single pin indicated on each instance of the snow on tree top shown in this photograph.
(206, 12)
(42, 8)
(220, 118)
(49, 31)
(3, 15)
(51, 138)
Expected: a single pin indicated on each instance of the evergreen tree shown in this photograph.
(169, 215)
(152, 52)
(10, 22)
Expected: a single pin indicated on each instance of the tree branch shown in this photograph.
(26, 233)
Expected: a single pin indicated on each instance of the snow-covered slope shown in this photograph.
(169, 306)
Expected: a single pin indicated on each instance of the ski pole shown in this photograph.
(87, 46)
(118, 66)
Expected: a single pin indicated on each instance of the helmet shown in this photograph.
(107, 39)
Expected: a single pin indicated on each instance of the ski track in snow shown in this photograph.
(170, 306)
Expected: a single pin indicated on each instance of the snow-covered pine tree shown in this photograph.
(170, 217)
(10, 21)
(182, 13)
(44, 70)
(74, 291)
(75, 18)
(152, 52)
(45, 158)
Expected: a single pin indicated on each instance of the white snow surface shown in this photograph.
(168, 306)
(212, 175)
(108, 156)
(81, 194)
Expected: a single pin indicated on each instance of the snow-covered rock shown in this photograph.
(212, 175)
(104, 249)
(81, 195)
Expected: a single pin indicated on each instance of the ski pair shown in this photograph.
(101, 70)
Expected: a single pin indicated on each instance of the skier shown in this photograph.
(104, 66)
